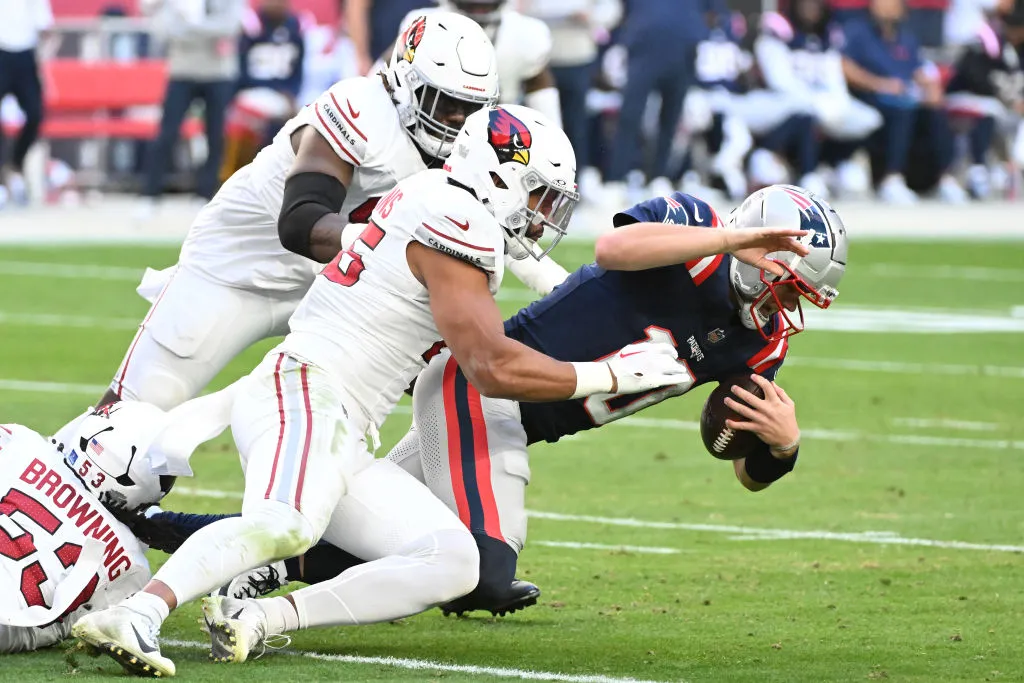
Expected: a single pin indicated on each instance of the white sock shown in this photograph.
(437, 568)
(148, 605)
(281, 614)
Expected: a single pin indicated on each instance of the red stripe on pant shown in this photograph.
(138, 335)
(482, 455)
(280, 434)
(454, 454)
(309, 437)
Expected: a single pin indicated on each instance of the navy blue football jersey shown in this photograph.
(720, 60)
(596, 312)
(271, 55)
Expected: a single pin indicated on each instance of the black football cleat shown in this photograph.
(520, 595)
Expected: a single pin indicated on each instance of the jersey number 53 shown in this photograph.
(605, 408)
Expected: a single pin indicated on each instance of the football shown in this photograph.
(719, 440)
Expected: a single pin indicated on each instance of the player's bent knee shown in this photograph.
(285, 531)
(456, 565)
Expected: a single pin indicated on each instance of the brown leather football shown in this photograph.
(719, 440)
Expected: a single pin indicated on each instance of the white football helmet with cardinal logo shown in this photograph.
(507, 153)
(442, 62)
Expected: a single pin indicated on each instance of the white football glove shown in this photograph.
(646, 365)
(637, 367)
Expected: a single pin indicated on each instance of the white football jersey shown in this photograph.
(366, 320)
(522, 46)
(60, 549)
(234, 238)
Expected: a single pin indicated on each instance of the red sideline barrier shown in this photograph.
(80, 95)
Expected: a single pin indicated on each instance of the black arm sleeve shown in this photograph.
(308, 197)
(764, 468)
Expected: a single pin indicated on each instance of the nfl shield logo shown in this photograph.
(716, 335)
(73, 457)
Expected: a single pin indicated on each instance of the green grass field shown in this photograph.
(841, 572)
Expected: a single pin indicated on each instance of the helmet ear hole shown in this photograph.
(498, 182)
(166, 483)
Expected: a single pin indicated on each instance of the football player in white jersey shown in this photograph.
(62, 552)
(235, 283)
(523, 48)
(423, 271)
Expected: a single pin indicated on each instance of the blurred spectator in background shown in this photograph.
(373, 24)
(660, 38)
(202, 54)
(576, 26)
(987, 89)
(710, 108)
(798, 56)
(270, 59)
(965, 19)
(21, 22)
(883, 67)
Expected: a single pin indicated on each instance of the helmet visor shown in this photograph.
(548, 213)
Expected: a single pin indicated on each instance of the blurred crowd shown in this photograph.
(900, 98)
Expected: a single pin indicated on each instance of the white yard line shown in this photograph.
(575, 545)
(55, 320)
(886, 270)
(735, 533)
(899, 368)
(17, 385)
(961, 273)
(939, 423)
(631, 422)
(427, 665)
(70, 271)
(741, 533)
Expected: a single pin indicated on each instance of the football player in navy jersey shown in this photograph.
(728, 296)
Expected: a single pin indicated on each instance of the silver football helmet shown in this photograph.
(814, 277)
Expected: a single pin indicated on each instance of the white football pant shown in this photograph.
(470, 451)
(308, 474)
(194, 328)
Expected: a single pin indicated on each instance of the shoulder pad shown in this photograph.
(678, 208)
(777, 26)
(449, 220)
(338, 115)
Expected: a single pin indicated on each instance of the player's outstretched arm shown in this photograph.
(470, 323)
(315, 189)
(773, 420)
(653, 245)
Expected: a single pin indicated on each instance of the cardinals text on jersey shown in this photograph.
(367, 319)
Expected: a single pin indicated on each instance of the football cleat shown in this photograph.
(127, 637)
(255, 583)
(238, 628)
(520, 595)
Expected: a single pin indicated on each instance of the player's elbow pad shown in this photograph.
(308, 197)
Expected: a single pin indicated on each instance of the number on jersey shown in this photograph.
(605, 408)
(348, 265)
(20, 546)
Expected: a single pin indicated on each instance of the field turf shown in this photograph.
(890, 553)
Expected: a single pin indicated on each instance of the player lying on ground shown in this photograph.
(62, 551)
(424, 270)
(676, 284)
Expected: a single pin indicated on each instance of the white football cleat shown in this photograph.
(126, 636)
(237, 629)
